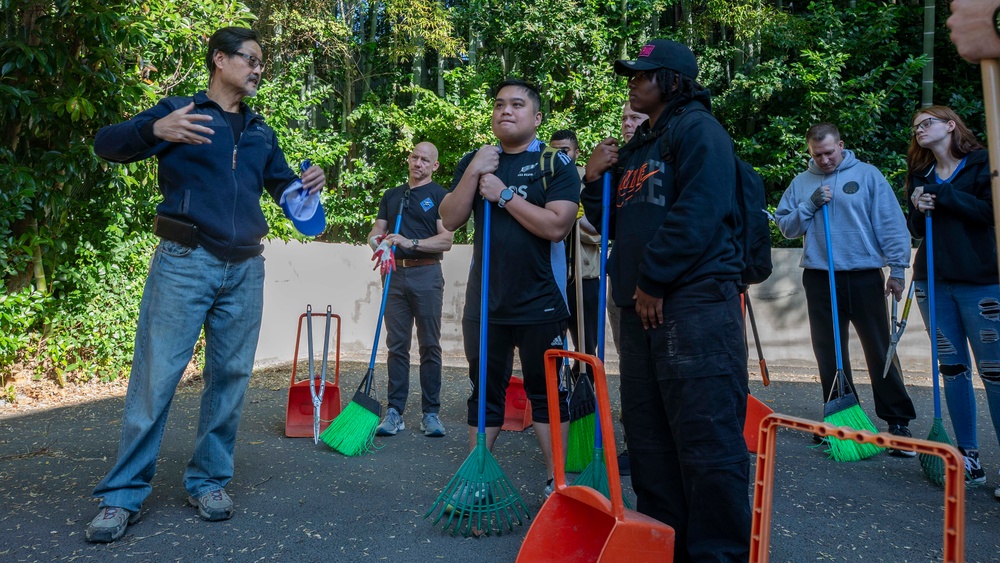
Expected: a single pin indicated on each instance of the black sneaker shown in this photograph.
(975, 475)
(902, 431)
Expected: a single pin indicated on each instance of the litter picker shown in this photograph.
(897, 332)
(843, 409)
(480, 499)
(933, 466)
(353, 432)
(316, 391)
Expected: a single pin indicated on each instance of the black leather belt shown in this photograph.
(415, 262)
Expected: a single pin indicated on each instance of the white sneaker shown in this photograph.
(393, 423)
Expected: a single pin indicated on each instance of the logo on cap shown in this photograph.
(647, 50)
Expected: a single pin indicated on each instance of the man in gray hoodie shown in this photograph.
(868, 232)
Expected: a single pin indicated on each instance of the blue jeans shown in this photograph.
(414, 299)
(187, 289)
(967, 316)
(684, 395)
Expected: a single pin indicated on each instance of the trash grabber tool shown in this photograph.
(316, 389)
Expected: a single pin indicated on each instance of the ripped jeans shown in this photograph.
(968, 315)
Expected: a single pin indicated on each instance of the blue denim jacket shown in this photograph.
(216, 186)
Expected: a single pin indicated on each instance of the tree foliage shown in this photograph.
(353, 84)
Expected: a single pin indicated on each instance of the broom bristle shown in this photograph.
(580, 444)
(352, 433)
(932, 465)
(479, 499)
(849, 450)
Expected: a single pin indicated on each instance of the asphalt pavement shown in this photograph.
(296, 501)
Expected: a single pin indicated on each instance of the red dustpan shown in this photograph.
(300, 410)
(756, 411)
(517, 410)
(577, 523)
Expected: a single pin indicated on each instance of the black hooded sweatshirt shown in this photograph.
(673, 222)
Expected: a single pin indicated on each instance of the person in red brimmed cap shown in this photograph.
(675, 271)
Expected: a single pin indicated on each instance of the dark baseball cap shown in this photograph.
(661, 53)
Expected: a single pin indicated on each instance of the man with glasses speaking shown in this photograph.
(868, 232)
(215, 159)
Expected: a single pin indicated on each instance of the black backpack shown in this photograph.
(753, 226)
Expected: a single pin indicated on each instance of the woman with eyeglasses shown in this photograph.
(948, 176)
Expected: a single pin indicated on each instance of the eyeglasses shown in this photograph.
(251, 60)
(924, 125)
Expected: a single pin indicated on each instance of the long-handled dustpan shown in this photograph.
(578, 523)
(842, 407)
(480, 499)
(933, 466)
(305, 415)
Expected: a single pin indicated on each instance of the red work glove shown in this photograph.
(383, 257)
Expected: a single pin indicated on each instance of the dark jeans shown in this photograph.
(684, 395)
(414, 298)
(531, 341)
(860, 302)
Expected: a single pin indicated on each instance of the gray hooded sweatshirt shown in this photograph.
(867, 227)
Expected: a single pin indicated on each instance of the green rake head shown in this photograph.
(479, 499)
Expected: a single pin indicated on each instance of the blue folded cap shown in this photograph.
(303, 208)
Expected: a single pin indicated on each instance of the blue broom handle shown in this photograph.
(932, 314)
(602, 293)
(385, 290)
(833, 286)
(484, 299)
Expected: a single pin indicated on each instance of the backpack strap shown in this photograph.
(546, 162)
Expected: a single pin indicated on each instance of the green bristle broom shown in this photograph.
(844, 409)
(932, 465)
(582, 400)
(352, 433)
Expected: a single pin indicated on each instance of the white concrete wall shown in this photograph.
(341, 275)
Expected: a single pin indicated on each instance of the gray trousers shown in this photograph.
(414, 299)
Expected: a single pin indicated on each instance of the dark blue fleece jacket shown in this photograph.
(216, 186)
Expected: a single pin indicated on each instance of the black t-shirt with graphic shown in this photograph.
(527, 273)
(420, 216)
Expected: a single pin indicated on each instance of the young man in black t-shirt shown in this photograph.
(416, 290)
(527, 289)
